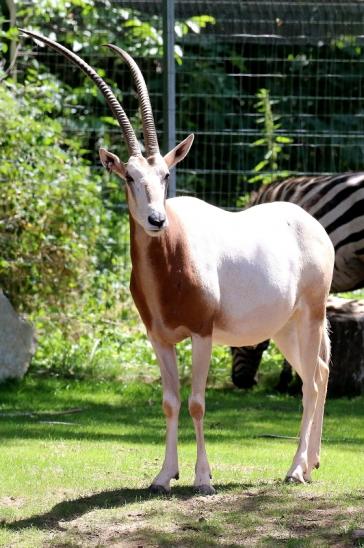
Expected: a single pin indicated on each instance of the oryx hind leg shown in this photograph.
(304, 342)
(321, 378)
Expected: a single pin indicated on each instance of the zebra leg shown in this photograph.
(285, 378)
(246, 360)
(289, 382)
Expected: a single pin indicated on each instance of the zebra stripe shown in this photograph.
(337, 202)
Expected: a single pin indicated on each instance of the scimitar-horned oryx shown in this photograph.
(214, 276)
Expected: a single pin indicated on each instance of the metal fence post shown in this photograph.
(10, 4)
(169, 86)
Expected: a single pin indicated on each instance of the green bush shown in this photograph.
(50, 208)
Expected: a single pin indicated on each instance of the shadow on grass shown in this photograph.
(69, 510)
(268, 513)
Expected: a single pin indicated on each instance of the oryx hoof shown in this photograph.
(158, 489)
(204, 490)
(293, 480)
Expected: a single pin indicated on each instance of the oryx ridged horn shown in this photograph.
(150, 134)
(116, 108)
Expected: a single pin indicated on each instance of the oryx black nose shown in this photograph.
(157, 219)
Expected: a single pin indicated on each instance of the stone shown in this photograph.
(17, 342)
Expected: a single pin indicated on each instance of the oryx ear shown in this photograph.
(112, 163)
(179, 152)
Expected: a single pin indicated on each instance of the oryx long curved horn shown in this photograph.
(116, 108)
(150, 134)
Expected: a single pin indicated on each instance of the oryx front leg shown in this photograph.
(201, 356)
(167, 359)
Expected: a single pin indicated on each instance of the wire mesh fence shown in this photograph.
(269, 88)
(275, 88)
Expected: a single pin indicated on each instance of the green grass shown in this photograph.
(83, 483)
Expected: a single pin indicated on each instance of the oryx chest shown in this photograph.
(168, 289)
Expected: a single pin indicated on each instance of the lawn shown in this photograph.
(80, 479)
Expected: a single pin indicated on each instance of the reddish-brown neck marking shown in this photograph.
(164, 283)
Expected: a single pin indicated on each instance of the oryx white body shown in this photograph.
(214, 276)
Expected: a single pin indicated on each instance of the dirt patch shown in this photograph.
(11, 502)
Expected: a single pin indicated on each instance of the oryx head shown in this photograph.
(146, 177)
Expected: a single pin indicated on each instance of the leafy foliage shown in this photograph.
(141, 34)
(268, 169)
(50, 204)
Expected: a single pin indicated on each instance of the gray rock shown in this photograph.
(17, 342)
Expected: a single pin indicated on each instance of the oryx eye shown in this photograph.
(128, 179)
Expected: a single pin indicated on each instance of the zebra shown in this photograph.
(337, 202)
